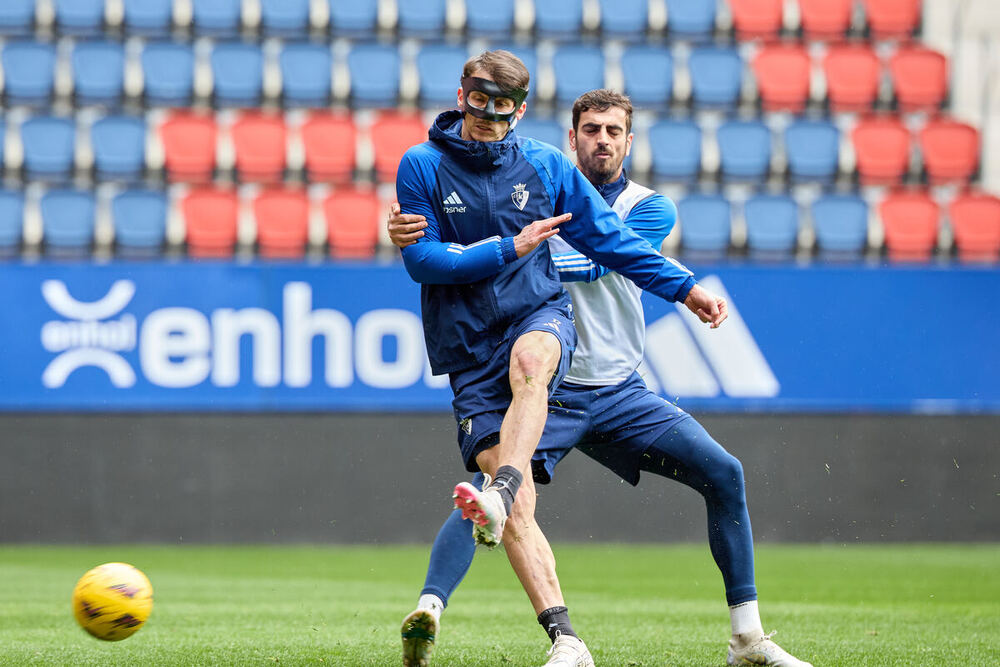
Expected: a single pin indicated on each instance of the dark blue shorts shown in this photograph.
(482, 393)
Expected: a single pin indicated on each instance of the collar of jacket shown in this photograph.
(446, 132)
(610, 191)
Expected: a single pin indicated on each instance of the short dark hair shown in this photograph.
(506, 69)
(602, 99)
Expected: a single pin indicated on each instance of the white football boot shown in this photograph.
(419, 630)
(486, 510)
(569, 651)
(762, 651)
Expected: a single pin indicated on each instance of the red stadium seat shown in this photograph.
(783, 77)
(282, 216)
(919, 78)
(210, 216)
(757, 18)
(892, 19)
(352, 222)
(392, 134)
(950, 150)
(330, 142)
(882, 149)
(189, 146)
(825, 19)
(260, 143)
(910, 221)
(975, 221)
(852, 77)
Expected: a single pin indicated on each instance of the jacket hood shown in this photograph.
(446, 133)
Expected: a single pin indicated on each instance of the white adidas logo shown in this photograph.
(453, 203)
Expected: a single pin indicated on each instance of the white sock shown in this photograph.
(431, 603)
(745, 620)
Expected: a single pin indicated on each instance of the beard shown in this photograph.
(599, 171)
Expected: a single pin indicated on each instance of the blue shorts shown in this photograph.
(482, 393)
(614, 425)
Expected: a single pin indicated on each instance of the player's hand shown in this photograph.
(404, 229)
(708, 307)
(532, 235)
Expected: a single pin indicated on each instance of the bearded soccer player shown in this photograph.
(603, 407)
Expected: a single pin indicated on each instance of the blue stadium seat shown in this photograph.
(238, 74)
(559, 19)
(168, 74)
(98, 73)
(624, 19)
(374, 75)
(68, 220)
(79, 17)
(494, 19)
(284, 18)
(49, 147)
(543, 129)
(691, 19)
(841, 223)
(578, 69)
(649, 75)
(440, 70)
(148, 18)
(676, 149)
(772, 224)
(28, 72)
(305, 74)
(423, 19)
(813, 148)
(716, 77)
(17, 17)
(216, 18)
(745, 150)
(11, 220)
(119, 145)
(140, 219)
(357, 19)
(706, 224)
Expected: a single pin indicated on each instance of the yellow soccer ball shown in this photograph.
(112, 601)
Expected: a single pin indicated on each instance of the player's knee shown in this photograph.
(530, 369)
(727, 479)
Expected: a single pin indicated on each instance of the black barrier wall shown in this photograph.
(388, 478)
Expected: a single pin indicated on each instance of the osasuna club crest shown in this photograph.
(520, 196)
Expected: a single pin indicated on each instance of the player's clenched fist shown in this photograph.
(708, 307)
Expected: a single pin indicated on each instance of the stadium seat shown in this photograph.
(649, 75)
(624, 19)
(98, 73)
(975, 221)
(919, 78)
(17, 17)
(148, 18)
(306, 71)
(189, 146)
(216, 18)
(783, 77)
(757, 18)
(716, 77)
(28, 73)
(813, 150)
(424, 19)
(284, 18)
(691, 19)
(439, 67)
(11, 220)
(706, 224)
(559, 19)
(825, 19)
(49, 148)
(357, 19)
(119, 145)
(852, 77)
(210, 220)
(260, 142)
(676, 149)
(282, 216)
(68, 220)
(892, 19)
(237, 74)
(910, 221)
(330, 142)
(882, 150)
(392, 134)
(578, 69)
(950, 150)
(494, 19)
(353, 217)
(80, 18)
(168, 74)
(139, 218)
(744, 150)
(772, 224)
(374, 72)
(543, 129)
(840, 222)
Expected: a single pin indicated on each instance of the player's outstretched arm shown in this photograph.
(709, 308)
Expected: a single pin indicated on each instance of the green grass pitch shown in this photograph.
(634, 605)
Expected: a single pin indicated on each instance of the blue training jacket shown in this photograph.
(477, 196)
